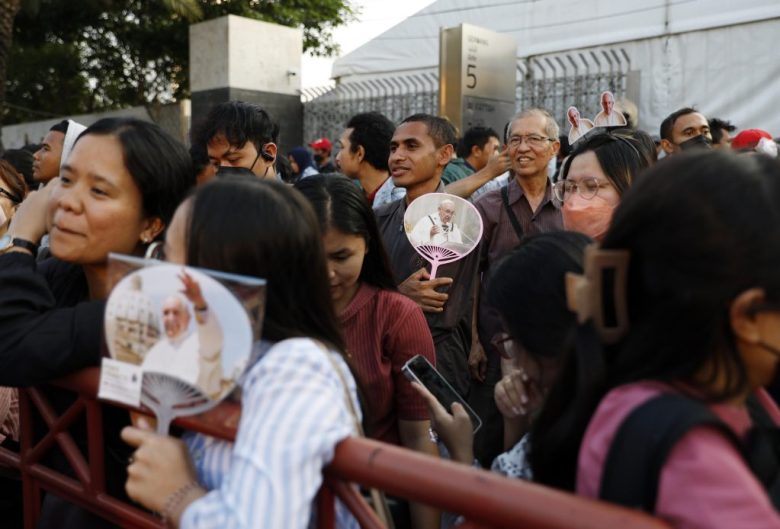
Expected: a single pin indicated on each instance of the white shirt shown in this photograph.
(294, 414)
(421, 234)
(576, 133)
(387, 193)
(194, 357)
(497, 183)
(613, 119)
(309, 171)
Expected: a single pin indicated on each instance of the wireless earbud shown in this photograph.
(267, 156)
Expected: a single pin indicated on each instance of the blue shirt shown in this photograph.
(294, 412)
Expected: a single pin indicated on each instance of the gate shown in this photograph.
(553, 82)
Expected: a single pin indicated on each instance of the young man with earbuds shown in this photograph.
(239, 134)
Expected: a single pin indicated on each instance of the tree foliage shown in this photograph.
(74, 56)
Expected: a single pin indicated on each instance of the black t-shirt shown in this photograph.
(451, 329)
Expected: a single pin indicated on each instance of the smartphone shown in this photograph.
(419, 369)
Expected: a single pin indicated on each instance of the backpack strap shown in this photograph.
(643, 443)
(762, 449)
(512, 217)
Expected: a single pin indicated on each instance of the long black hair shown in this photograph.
(266, 229)
(527, 289)
(339, 204)
(700, 228)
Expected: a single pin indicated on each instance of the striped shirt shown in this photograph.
(383, 329)
(294, 413)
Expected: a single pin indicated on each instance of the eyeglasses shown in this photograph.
(533, 140)
(10, 196)
(587, 188)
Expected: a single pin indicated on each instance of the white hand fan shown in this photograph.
(442, 228)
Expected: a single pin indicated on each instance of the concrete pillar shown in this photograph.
(476, 77)
(239, 58)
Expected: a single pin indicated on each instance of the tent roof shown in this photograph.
(544, 26)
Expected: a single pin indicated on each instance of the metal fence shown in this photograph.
(554, 82)
(326, 110)
(486, 500)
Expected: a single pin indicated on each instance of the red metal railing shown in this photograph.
(486, 500)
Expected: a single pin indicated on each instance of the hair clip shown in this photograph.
(599, 294)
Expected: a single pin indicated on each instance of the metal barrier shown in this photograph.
(486, 500)
(553, 82)
(326, 110)
(556, 82)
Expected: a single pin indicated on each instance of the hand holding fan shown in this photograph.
(190, 336)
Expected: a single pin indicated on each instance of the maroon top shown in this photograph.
(499, 238)
(384, 329)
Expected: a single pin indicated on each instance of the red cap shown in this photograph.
(748, 139)
(321, 143)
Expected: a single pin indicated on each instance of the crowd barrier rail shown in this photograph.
(486, 500)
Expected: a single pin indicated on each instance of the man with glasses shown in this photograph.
(524, 207)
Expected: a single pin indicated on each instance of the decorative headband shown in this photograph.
(599, 294)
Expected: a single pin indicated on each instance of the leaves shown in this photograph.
(78, 56)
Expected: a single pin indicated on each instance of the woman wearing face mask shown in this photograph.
(382, 328)
(295, 406)
(599, 170)
(13, 189)
(698, 313)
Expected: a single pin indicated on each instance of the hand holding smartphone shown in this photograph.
(420, 370)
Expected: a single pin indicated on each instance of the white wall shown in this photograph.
(173, 118)
(243, 53)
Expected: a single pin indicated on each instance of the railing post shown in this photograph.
(31, 493)
(326, 508)
(97, 481)
(486, 500)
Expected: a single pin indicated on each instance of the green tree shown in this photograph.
(8, 10)
(90, 55)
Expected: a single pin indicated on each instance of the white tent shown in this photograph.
(719, 55)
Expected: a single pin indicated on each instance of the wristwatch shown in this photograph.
(9, 241)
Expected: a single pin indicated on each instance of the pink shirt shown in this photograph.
(705, 482)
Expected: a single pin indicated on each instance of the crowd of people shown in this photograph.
(617, 329)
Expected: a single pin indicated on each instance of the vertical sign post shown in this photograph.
(477, 77)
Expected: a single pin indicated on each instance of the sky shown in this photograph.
(375, 17)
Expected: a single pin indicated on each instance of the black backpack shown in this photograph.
(644, 440)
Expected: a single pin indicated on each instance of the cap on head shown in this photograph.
(748, 139)
(321, 143)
